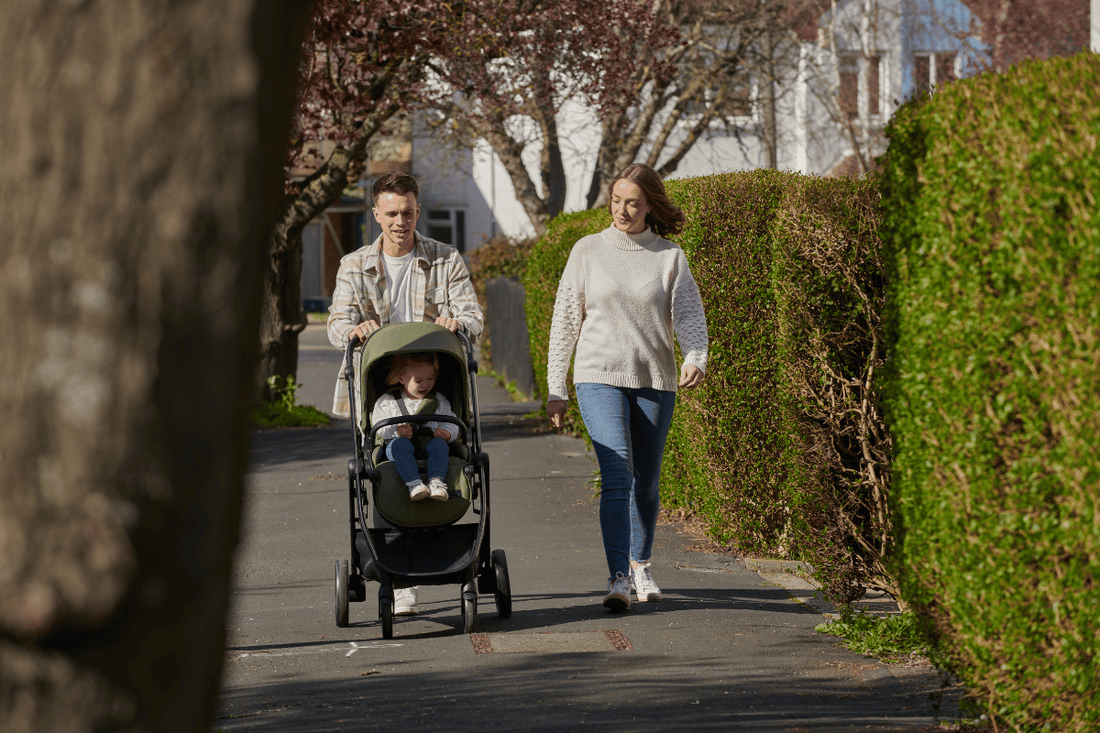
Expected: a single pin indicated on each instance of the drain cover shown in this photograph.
(551, 641)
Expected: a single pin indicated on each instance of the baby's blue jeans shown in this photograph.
(403, 454)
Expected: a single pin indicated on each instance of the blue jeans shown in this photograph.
(628, 428)
(403, 454)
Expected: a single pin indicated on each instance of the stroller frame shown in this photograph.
(453, 552)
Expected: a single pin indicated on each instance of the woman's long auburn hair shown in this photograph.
(664, 217)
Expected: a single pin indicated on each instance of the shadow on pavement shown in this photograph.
(502, 692)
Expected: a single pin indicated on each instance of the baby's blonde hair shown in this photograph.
(404, 362)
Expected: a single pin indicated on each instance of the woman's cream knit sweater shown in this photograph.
(620, 299)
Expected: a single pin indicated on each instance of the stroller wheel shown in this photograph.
(385, 611)
(341, 593)
(468, 599)
(503, 592)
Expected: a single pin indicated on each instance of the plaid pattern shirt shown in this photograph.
(441, 288)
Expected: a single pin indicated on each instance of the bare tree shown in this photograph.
(519, 63)
(1012, 30)
(729, 56)
(140, 142)
(361, 64)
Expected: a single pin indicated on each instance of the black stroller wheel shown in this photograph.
(385, 611)
(503, 593)
(468, 599)
(341, 593)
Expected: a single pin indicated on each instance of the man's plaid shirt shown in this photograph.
(441, 288)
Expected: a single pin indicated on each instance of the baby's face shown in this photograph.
(418, 380)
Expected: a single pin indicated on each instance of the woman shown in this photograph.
(623, 293)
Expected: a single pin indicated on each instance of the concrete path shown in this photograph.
(729, 648)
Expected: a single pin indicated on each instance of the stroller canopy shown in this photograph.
(414, 338)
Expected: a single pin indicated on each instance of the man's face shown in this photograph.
(397, 213)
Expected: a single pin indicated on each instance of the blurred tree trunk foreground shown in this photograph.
(141, 150)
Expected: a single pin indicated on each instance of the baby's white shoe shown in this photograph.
(438, 489)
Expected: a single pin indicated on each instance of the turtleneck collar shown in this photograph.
(642, 240)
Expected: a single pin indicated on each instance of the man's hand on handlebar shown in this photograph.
(451, 324)
(363, 330)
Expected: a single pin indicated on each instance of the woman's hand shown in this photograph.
(556, 410)
(690, 376)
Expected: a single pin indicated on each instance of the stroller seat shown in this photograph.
(391, 496)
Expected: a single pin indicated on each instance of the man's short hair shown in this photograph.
(398, 183)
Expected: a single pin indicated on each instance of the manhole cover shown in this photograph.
(551, 641)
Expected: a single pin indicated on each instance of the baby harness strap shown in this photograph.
(427, 406)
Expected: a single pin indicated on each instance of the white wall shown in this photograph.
(1094, 20)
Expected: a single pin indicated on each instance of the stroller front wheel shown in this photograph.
(385, 611)
(341, 593)
(468, 599)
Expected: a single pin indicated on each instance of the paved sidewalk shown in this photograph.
(732, 646)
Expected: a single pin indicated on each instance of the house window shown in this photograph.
(849, 84)
(931, 70)
(448, 226)
(874, 88)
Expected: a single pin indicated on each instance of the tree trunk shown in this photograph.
(142, 147)
(281, 316)
(771, 132)
(511, 157)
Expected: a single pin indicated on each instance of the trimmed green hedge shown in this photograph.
(993, 395)
(765, 451)
(724, 454)
(545, 265)
(829, 285)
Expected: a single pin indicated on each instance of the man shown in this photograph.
(401, 277)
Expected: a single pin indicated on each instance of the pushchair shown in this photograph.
(429, 542)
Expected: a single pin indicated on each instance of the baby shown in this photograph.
(416, 373)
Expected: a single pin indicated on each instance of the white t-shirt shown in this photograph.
(399, 287)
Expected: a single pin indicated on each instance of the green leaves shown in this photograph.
(284, 411)
(993, 393)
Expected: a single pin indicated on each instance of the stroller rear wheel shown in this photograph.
(385, 611)
(341, 593)
(503, 593)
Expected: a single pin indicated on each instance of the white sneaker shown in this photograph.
(644, 586)
(418, 492)
(618, 594)
(438, 489)
(404, 600)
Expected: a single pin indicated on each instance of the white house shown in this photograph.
(834, 96)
